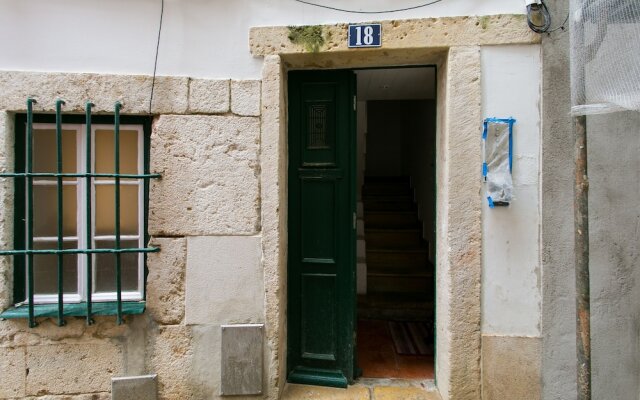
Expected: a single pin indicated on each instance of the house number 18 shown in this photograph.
(368, 35)
(365, 35)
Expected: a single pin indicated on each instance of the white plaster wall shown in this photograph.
(199, 38)
(423, 171)
(388, 129)
(511, 294)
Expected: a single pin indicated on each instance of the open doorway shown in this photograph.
(396, 193)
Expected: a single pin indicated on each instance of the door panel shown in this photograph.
(319, 299)
(321, 263)
(319, 219)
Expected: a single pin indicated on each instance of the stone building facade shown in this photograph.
(218, 214)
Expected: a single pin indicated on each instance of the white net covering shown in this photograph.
(605, 56)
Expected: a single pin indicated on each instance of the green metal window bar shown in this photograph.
(29, 251)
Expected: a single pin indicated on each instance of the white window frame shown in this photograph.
(81, 223)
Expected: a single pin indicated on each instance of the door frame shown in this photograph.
(458, 156)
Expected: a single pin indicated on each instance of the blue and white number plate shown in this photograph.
(369, 35)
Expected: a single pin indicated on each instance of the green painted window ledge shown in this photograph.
(75, 309)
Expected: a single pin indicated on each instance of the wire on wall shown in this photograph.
(155, 64)
(538, 16)
(561, 27)
(368, 12)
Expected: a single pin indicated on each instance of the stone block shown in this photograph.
(15, 332)
(459, 265)
(361, 277)
(307, 392)
(206, 365)
(6, 141)
(207, 96)
(92, 396)
(6, 208)
(511, 367)
(170, 357)
(209, 167)
(8, 331)
(361, 249)
(273, 178)
(12, 372)
(403, 34)
(224, 282)
(165, 282)
(360, 228)
(245, 98)
(48, 331)
(134, 91)
(72, 368)
(405, 393)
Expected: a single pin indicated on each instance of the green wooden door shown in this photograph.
(321, 263)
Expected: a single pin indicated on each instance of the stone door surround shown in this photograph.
(453, 45)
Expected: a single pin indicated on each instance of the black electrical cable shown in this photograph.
(541, 9)
(155, 64)
(367, 12)
(561, 26)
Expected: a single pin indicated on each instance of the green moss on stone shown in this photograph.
(308, 36)
(484, 21)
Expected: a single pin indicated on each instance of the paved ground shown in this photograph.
(360, 391)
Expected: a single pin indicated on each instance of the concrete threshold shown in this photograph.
(366, 389)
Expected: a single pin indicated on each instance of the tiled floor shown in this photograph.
(377, 356)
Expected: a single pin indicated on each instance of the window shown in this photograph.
(70, 247)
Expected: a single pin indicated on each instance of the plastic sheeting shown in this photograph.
(605, 56)
(497, 147)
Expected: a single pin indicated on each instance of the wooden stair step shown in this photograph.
(391, 219)
(399, 270)
(399, 283)
(386, 190)
(388, 205)
(384, 179)
(388, 197)
(396, 237)
(386, 185)
(397, 255)
(408, 257)
(396, 306)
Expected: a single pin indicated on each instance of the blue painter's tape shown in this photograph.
(501, 120)
(491, 205)
(510, 121)
(485, 169)
(511, 146)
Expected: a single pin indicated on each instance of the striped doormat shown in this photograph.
(412, 338)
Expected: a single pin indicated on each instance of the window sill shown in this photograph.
(75, 309)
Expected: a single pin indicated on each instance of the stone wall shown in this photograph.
(219, 215)
(204, 214)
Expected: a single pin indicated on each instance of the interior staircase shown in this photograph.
(400, 278)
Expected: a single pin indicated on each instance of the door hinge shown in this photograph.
(354, 220)
(354, 103)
